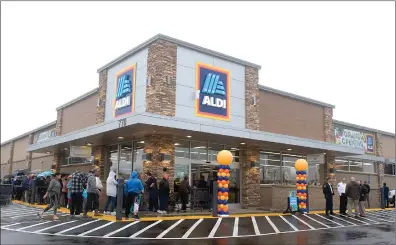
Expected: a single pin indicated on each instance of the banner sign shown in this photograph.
(213, 85)
(356, 139)
(124, 94)
(293, 201)
(80, 151)
(46, 135)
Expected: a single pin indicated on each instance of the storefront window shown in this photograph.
(369, 167)
(213, 150)
(125, 166)
(182, 159)
(288, 169)
(199, 151)
(341, 164)
(270, 167)
(182, 149)
(235, 152)
(66, 159)
(234, 195)
(355, 166)
(389, 169)
(137, 156)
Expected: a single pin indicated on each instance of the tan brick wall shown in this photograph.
(5, 153)
(157, 144)
(100, 110)
(20, 147)
(390, 181)
(251, 89)
(388, 146)
(161, 63)
(266, 197)
(4, 169)
(19, 165)
(284, 115)
(250, 177)
(43, 163)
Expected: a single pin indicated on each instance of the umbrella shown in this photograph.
(37, 171)
(45, 174)
(19, 172)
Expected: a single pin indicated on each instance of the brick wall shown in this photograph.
(100, 111)
(157, 144)
(161, 64)
(251, 89)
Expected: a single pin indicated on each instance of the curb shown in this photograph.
(178, 217)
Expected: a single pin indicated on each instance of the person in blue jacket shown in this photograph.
(132, 189)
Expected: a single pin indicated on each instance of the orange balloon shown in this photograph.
(225, 208)
(301, 165)
(226, 170)
(225, 194)
(224, 182)
(221, 170)
(224, 157)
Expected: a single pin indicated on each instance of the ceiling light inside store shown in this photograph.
(141, 142)
(66, 149)
(289, 149)
(48, 152)
(189, 136)
(243, 143)
(88, 144)
(177, 144)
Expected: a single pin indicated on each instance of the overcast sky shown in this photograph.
(342, 53)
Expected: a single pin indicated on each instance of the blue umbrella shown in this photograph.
(45, 174)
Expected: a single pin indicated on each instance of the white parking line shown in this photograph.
(236, 223)
(169, 229)
(375, 217)
(122, 228)
(17, 214)
(329, 220)
(50, 227)
(4, 226)
(375, 221)
(287, 222)
(75, 227)
(383, 217)
(27, 227)
(320, 223)
(305, 223)
(47, 214)
(256, 229)
(215, 227)
(97, 228)
(145, 229)
(192, 228)
(352, 219)
(272, 224)
(344, 220)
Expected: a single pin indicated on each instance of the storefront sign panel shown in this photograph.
(293, 201)
(46, 135)
(356, 139)
(80, 151)
(213, 84)
(124, 101)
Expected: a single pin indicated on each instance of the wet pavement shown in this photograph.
(21, 225)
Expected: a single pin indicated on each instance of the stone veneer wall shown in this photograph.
(100, 110)
(56, 162)
(58, 126)
(161, 64)
(250, 177)
(99, 158)
(11, 157)
(379, 153)
(157, 144)
(251, 89)
(29, 154)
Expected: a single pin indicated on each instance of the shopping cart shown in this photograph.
(6, 194)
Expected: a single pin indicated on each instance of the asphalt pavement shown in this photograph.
(21, 225)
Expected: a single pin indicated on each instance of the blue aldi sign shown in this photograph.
(124, 101)
(213, 84)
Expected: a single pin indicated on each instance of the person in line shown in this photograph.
(202, 183)
(40, 183)
(362, 199)
(64, 197)
(343, 198)
(386, 195)
(111, 190)
(163, 193)
(352, 191)
(76, 190)
(152, 187)
(53, 193)
(132, 189)
(328, 194)
(69, 184)
(367, 194)
(184, 191)
(92, 193)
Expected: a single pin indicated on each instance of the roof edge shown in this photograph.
(180, 43)
(362, 127)
(31, 131)
(294, 96)
(78, 98)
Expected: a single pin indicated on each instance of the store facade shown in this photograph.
(168, 103)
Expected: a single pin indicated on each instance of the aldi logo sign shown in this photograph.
(213, 84)
(124, 101)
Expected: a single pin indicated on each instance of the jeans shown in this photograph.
(111, 200)
(130, 200)
(164, 202)
(76, 203)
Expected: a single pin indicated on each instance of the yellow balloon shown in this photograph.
(218, 174)
(225, 186)
(226, 198)
(301, 165)
(220, 185)
(222, 198)
(224, 157)
(303, 188)
(223, 174)
(228, 175)
(221, 206)
(299, 188)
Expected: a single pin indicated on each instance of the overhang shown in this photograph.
(141, 124)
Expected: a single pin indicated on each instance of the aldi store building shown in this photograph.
(168, 103)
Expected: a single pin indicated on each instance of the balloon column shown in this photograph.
(301, 166)
(224, 158)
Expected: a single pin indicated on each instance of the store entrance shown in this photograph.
(202, 173)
